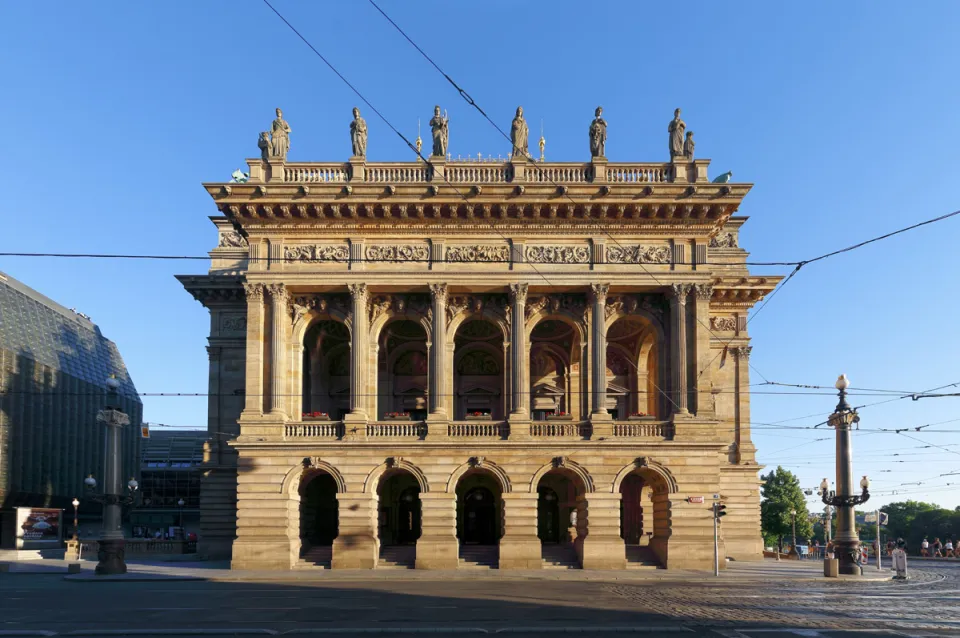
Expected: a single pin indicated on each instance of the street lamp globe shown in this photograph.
(181, 502)
(793, 512)
(842, 383)
(865, 483)
(132, 484)
(824, 485)
(90, 481)
(75, 503)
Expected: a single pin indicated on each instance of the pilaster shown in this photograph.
(253, 400)
(359, 296)
(520, 546)
(703, 379)
(746, 450)
(598, 351)
(678, 317)
(279, 295)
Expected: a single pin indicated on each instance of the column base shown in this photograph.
(438, 554)
(110, 557)
(522, 553)
(520, 428)
(437, 427)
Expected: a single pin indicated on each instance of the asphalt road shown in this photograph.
(46, 604)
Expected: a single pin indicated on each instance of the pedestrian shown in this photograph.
(830, 549)
(925, 547)
(900, 560)
(948, 548)
(936, 548)
(890, 548)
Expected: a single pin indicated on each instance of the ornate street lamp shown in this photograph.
(76, 504)
(793, 533)
(111, 543)
(180, 504)
(846, 543)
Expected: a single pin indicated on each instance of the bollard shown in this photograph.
(831, 567)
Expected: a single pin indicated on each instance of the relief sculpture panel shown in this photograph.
(316, 253)
(558, 254)
(481, 253)
(397, 252)
(638, 254)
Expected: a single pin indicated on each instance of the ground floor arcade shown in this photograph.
(517, 508)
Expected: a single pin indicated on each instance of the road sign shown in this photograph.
(694, 499)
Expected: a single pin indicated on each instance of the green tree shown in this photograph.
(914, 520)
(781, 493)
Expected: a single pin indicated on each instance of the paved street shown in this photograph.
(748, 601)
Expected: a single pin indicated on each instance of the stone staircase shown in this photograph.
(397, 557)
(641, 558)
(316, 557)
(479, 556)
(559, 556)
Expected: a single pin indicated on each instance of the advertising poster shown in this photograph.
(38, 527)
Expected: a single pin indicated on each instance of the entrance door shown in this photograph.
(479, 517)
(548, 516)
(408, 515)
(631, 512)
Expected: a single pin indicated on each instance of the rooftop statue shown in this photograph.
(440, 125)
(688, 145)
(358, 134)
(263, 143)
(598, 134)
(519, 134)
(676, 129)
(280, 141)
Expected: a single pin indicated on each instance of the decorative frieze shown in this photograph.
(253, 291)
(232, 239)
(723, 324)
(397, 253)
(634, 304)
(703, 291)
(321, 303)
(417, 305)
(316, 253)
(478, 253)
(475, 304)
(233, 323)
(638, 254)
(724, 240)
(574, 305)
(557, 254)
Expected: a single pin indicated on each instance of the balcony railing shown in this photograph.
(561, 429)
(396, 430)
(478, 429)
(643, 429)
(313, 430)
(315, 173)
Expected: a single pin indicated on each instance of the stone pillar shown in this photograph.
(520, 547)
(598, 353)
(438, 373)
(278, 310)
(253, 400)
(746, 450)
(358, 352)
(678, 358)
(602, 547)
(520, 389)
(438, 547)
(356, 545)
(704, 375)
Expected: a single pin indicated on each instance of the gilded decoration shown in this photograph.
(316, 253)
(557, 254)
(723, 324)
(638, 254)
(478, 253)
(397, 253)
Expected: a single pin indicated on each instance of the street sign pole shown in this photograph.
(716, 542)
(879, 552)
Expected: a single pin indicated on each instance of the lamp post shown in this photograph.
(793, 533)
(180, 505)
(76, 504)
(111, 544)
(846, 543)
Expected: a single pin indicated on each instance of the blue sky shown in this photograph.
(842, 114)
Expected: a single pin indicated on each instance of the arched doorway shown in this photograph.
(478, 379)
(479, 518)
(555, 382)
(319, 516)
(479, 526)
(398, 518)
(402, 371)
(326, 370)
(632, 368)
(644, 511)
(561, 517)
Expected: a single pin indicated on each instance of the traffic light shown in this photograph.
(719, 510)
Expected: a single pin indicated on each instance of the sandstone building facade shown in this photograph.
(506, 363)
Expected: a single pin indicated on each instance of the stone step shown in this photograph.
(479, 556)
(317, 557)
(559, 557)
(641, 558)
(397, 557)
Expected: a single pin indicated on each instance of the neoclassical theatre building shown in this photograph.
(458, 363)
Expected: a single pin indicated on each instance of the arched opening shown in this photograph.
(326, 370)
(561, 517)
(478, 379)
(319, 516)
(644, 512)
(555, 371)
(399, 516)
(632, 372)
(479, 518)
(402, 370)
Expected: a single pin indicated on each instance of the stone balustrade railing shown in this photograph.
(313, 430)
(144, 547)
(639, 173)
(643, 429)
(396, 429)
(478, 429)
(315, 173)
(560, 429)
(396, 173)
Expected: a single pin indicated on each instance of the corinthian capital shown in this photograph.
(742, 352)
(358, 291)
(253, 291)
(518, 293)
(279, 293)
(680, 292)
(704, 291)
(598, 292)
(439, 293)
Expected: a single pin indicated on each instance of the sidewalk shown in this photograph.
(218, 571)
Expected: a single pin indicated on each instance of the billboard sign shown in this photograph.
(39, 527)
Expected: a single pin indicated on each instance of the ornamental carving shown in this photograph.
(598, 292)
(478, 253)
(233, 323)
(638, 254)
(232, 239)
(279, 292)
(320, 303)
(724, 240)
(723, 324)
(357, 291)
(439, 293)
(253, 291)
(396, 253)
(681, 292)
(219, 295)
(703, 291)
(400, 304)
(558, 254)
(518, 293)
(552, 304)
(316, 253)
(634, 304)
(742, 352)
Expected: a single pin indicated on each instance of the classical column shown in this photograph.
(678, 314)
(598, 358)
(438, 402)
(358, 349)
(253, 382)
(279, 295)
(518, 338)
(746, 451)
(704, 374)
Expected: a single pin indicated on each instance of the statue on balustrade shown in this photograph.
(519, 134)
(688, 145)
(440, 125)
(598, 134)
(263, 143)
(280, 141)
(358, 134)
(676, 128)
